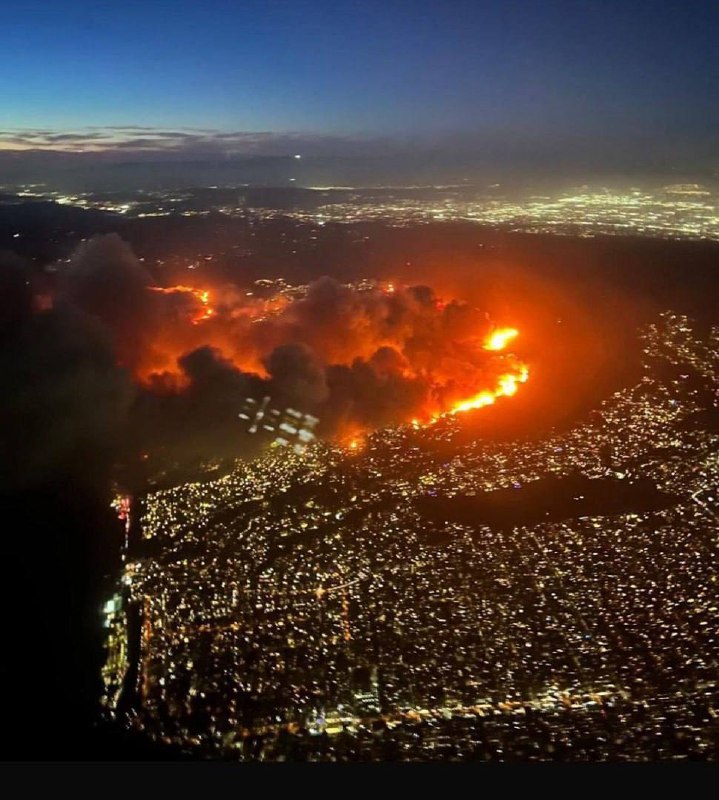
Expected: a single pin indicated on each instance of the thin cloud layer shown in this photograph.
(180, 142)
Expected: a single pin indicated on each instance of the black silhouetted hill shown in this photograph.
(547, 500)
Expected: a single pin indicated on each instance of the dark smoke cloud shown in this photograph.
(63, 399)
(15, 294)
(63, 407)
(358, 359)
(340, 323)
(199, 422)
(367, 395)
(297, 375)
(104, 278)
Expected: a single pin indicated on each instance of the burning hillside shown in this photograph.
(360, 355)
(422, 357)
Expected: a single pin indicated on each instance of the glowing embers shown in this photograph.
(353, 440)
(203, 312)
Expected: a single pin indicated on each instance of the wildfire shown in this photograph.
(506, 387)
(507, 383)
(480, 400)
(499, 339)
(365, 338)
(202, 295)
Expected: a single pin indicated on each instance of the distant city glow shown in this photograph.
(681, 211)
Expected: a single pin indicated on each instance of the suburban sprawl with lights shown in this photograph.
(419, 597)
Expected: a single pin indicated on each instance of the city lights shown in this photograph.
(274, 587)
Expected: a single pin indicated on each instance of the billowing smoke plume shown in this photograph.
(105, 279)
(297, 374)
(64, 399)
(358, 357)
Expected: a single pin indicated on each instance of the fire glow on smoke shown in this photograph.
(438, 357)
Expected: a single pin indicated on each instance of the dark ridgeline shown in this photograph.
(60, 400)
(55, 543)
(56, 552)
(547, 500)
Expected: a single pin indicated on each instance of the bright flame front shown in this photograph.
(499, 339)
(507, 383)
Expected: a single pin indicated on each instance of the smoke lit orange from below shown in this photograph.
(380, 328)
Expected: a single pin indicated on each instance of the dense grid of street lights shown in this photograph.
(305, 606)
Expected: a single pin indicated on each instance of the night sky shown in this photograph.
(240, 76)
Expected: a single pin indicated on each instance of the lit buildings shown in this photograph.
(580, 635)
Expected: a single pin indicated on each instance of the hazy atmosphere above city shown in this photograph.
(466, 85)
(360, 369)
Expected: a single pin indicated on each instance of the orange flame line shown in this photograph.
(203, 295)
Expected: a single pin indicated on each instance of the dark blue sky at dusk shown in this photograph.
(74, 73)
